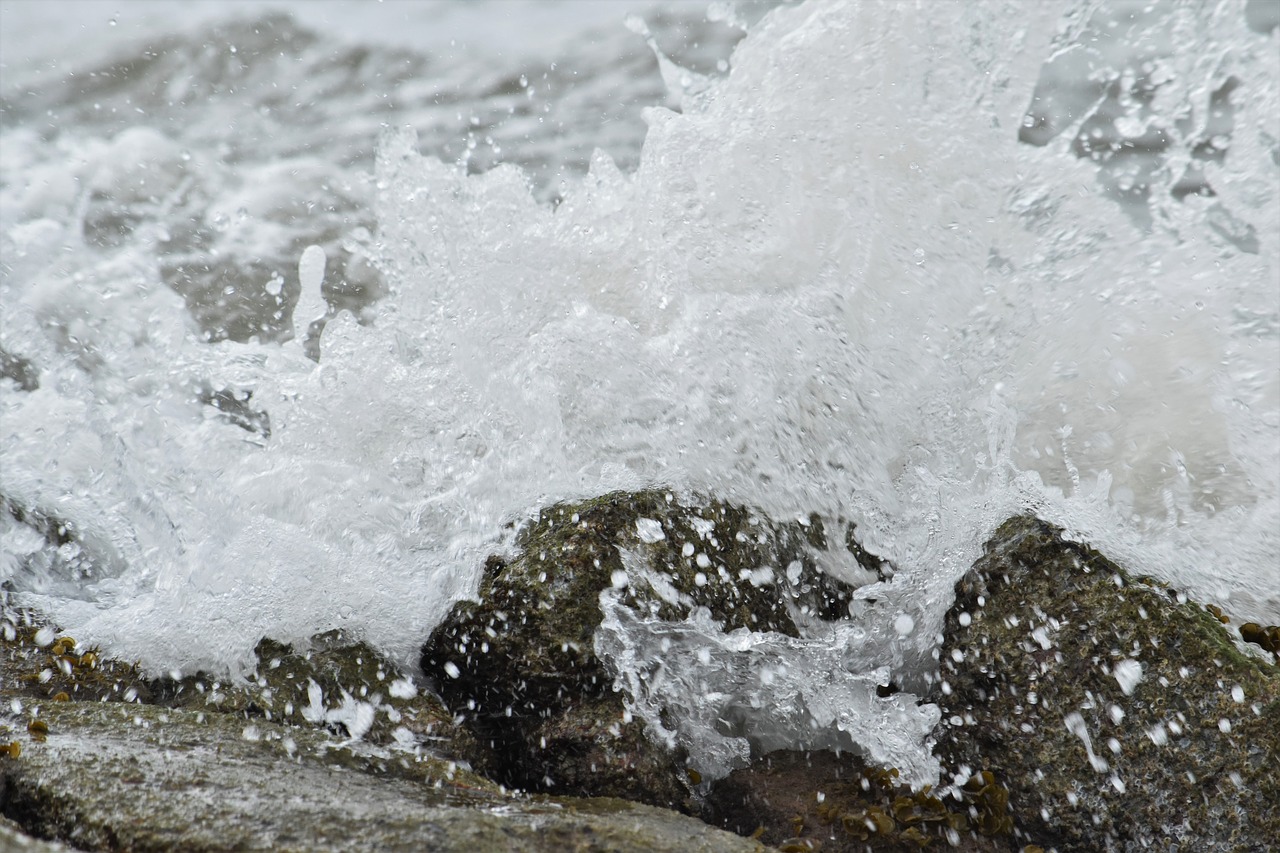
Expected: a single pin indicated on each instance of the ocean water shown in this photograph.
(302, 305)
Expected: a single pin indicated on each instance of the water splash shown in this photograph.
(726, 696)
(837, 282)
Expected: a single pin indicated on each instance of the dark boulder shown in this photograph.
(520, 663)
(21, 371)
(840, 804)
(1120, 715)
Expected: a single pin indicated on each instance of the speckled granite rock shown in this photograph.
(1119, 715)
(14, 840)
(116, 776)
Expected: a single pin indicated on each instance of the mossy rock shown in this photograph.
(839, 804)
(523, 655)
(594, 747)
(42, 663)
(333, 682)
(1120, 715)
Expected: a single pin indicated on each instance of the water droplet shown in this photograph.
(1128, 673)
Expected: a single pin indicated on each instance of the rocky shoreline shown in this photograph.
(1081, 709)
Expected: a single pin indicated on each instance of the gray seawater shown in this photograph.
(252, 88)
(304, 303)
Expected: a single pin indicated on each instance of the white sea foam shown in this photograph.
(836, 282)
(726, 696)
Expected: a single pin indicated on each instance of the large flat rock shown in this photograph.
(113, 776)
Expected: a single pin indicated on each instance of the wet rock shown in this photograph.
(235, 407)
(1120, 715)
(334, 683)
(21, 371)
(12, 838)
(242, 298)
(1267, 638)
(520, 664)
(43, 664)
(839, 804)
(109, 776)
(592, 746)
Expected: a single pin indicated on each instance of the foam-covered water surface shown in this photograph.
(919, 266)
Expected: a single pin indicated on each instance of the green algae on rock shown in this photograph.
(332, 681)
(1119, 715)
(43, 663)
(140, 777)
(520, 663)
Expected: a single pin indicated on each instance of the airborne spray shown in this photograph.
(915, 267)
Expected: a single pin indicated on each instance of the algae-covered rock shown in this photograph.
(110, 776)
(840, 804)
(332, 681)
(324, 747)
(14, 840)
(592, 747)
(40, 662)
(1119, 715)
(520, 663)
